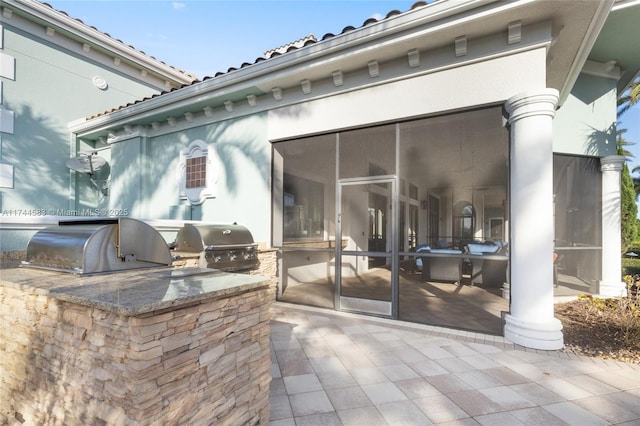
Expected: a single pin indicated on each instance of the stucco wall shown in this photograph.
(584, 123)
(51, 87)
(144, 175)
(479, 83)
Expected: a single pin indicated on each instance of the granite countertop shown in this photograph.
(134, 292)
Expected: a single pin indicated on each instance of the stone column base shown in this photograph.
(546, 336)
(612, 289)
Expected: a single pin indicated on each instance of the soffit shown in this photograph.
(619, 42)
(574, 25)
(391, 38)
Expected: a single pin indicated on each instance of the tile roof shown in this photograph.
(290, 47)
(124, 45)
(305, 41)
(311, 39)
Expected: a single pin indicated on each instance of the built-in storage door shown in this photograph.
(367, 277)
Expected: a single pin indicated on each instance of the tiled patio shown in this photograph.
(332, 368)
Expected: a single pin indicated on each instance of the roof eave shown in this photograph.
(100, 39)
(333, 53)
(290, 64)
(626, 83)
(600, 17)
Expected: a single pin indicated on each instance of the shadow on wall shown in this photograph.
(599, 140)
(144, 175)
(590, 89)
(246, 146)
(38, 151)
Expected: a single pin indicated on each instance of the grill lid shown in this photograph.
(97, 245)
(199, 237)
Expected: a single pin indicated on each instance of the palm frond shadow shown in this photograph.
(38, 150)
(233, 152)
(598, 140)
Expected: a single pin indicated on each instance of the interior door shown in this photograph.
(367, 226)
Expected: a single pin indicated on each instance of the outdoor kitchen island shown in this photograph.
(139, 347)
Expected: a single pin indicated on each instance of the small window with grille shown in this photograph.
(196, 172)
(197, 175)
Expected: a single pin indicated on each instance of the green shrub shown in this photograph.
(630, 266)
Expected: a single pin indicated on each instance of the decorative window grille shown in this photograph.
(197, 172)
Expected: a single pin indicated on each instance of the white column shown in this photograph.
(611, 284)
(530, 322)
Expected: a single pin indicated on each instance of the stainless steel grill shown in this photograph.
(224, 247)
(97, 245)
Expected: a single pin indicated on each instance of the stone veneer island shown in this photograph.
(143, 347)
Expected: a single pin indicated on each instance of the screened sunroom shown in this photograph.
(406, 220)
(421, 213)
